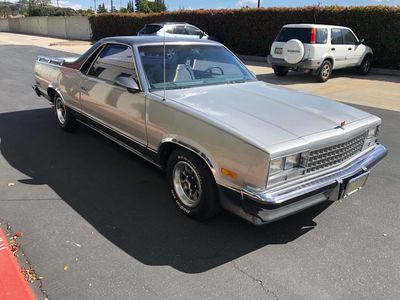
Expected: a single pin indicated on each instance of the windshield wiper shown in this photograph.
(236, 81)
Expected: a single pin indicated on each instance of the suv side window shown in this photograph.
(336, 36)
(191, 30)
(179, 29)
(114, 60)
(322, 35)
(348, 37)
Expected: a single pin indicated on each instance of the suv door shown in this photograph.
(110, 105)
(338, 48)
(355, 51)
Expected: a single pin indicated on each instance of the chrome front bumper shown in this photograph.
(271, 205)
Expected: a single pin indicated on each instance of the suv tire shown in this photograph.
(192, 185)
(365, 65)
(324, 71)
(281, 71)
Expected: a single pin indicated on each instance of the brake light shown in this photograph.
(313, 37)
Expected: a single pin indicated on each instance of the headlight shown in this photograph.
(373, 132)
(276, 166)
(292, 161)
(287, 163)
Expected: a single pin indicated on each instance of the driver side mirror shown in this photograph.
(127, 82)
(361, 41)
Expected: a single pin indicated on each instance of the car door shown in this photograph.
(114, 107)
(338, 48)
(354, 50)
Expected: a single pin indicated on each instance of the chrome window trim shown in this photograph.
(97, 56)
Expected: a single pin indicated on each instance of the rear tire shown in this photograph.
(192, 185)
(324, 71)
(65, 119)
(365, 66)
(281, 71)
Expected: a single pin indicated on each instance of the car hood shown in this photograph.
(265, 113)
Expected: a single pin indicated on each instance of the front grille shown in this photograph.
(334, 155)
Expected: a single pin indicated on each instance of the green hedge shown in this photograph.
(252, 31)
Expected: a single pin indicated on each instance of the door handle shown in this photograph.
(83, 88)
(333, 49)
(350, 49)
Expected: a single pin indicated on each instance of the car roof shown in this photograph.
(309, 25)
(156, 40)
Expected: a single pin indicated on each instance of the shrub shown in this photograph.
(252, 31)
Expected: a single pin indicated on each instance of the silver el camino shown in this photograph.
(224, 139)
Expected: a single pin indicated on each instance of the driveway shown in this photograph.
(99, 223)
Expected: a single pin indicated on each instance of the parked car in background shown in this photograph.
(320, 49)
(174, 29)
(224, 138)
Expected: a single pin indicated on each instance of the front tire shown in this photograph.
(281, 71)
(66, 121)
(324, 71)
(365, 66)
(192, 185)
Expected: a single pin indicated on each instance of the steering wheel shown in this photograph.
(209, 70)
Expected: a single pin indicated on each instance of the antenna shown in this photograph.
(164, 98)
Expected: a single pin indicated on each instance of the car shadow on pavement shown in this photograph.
(127, 200)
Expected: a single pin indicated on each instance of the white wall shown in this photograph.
(4, 25)
(74, 27)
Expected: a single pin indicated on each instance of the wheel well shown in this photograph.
(52, 93)
(330, 60)
(165, 151)
(167, 148)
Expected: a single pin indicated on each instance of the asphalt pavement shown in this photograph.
(99, 223)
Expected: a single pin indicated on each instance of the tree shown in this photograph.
(130, 7)
(157, 6)
(144, 6)
(101, 9)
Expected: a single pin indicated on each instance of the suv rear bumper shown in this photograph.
(269, 206)
(308, 64)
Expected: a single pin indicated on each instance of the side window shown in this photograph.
(191, 30)
(322, 35)
(114, 60)
(348, 37)
(336, 36)
(180, 29)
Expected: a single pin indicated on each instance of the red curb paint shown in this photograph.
(12, 284)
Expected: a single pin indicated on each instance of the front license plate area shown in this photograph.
(355, 184)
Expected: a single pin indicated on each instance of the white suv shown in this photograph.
(175, 29)
(320, 48)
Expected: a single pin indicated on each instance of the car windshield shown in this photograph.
(191, 65)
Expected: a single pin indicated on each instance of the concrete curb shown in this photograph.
(377, 71)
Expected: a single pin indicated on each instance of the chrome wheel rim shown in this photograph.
(325, 71)
(60, 110)
(187, 184)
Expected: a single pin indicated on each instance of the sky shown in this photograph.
(216, 4)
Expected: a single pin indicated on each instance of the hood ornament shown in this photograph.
(341, 126)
